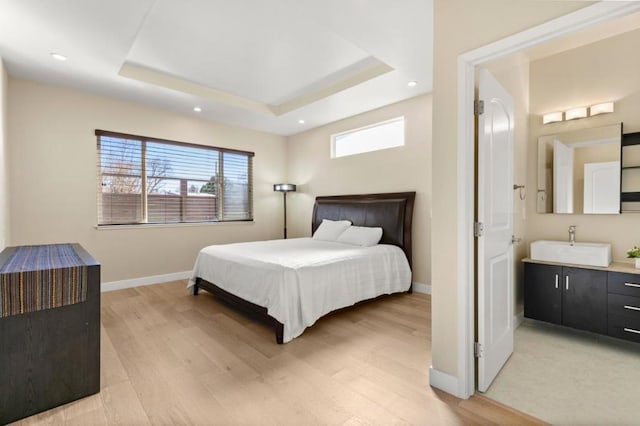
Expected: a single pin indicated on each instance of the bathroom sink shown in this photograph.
(590, 254)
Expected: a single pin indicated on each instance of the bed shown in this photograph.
(290, 284)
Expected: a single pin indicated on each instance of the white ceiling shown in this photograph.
(262, 64)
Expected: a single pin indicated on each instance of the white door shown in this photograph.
(562, 178)
(495, 212)
(601, 183)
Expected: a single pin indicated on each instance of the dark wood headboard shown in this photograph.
(393, 212)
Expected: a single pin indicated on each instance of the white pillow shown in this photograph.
(330, 230)
(361, 236)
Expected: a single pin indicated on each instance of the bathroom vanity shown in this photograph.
(604, 300)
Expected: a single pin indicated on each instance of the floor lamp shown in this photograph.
(284, 188)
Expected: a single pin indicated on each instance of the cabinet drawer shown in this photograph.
(626, 306)
(624, 327)
(621, 283)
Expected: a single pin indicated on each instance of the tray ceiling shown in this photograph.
(260, 64)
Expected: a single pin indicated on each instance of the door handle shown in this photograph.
(515, 239)
(566, 282)
(557, 280)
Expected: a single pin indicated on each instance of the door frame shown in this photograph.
(466, 314)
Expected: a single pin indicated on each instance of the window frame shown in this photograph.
(334, 136)
(144, 222)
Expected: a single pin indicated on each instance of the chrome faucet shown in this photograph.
(572, 234)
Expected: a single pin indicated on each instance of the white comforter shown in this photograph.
(300, 280)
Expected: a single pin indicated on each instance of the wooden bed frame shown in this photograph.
(393, 212)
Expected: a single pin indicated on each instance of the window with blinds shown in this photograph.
(149, 181)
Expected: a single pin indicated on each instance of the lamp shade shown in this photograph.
(284, 187)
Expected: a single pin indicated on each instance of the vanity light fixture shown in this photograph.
(603, 108)
(575, 113)
(580, 112)
(552, 117)
(301, 121)
(197, 109)
(412, 83)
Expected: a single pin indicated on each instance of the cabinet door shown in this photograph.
(584, 299)
(542, 292)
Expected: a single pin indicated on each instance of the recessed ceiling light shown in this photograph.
(58, 56)
(197, 109)
(301, 121)
(412, 83)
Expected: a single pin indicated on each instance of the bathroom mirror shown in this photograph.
(579, 171)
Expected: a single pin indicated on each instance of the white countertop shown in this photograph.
(626, 267)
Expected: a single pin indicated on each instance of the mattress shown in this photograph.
(300, 280)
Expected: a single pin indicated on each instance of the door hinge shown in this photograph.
(478, 107)
(477, 350)
(478, 229)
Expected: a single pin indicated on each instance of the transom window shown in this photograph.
(387, 134)
(145, 180)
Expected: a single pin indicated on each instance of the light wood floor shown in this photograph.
(171, 358)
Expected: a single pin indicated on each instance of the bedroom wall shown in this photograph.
(599, 72)
(53, 182)
(406, 168)
(4, 164)
(460, 26)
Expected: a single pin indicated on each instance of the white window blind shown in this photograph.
(145, 180)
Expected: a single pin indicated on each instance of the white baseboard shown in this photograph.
(518, 319)
(421, 288)
(443, 381)
(449, 383)
(137, 282)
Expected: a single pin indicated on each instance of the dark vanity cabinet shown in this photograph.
(584, 299)
(624, 306)
(542, 294)
(574, 297)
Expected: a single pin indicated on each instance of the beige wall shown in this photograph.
(406, 168)
(460, 26)
(53, 178)
(513, 74)
(603, 71)
(4, 163)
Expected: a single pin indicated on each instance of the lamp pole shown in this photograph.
(285, 214)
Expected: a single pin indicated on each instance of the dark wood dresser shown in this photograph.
(49, 354)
